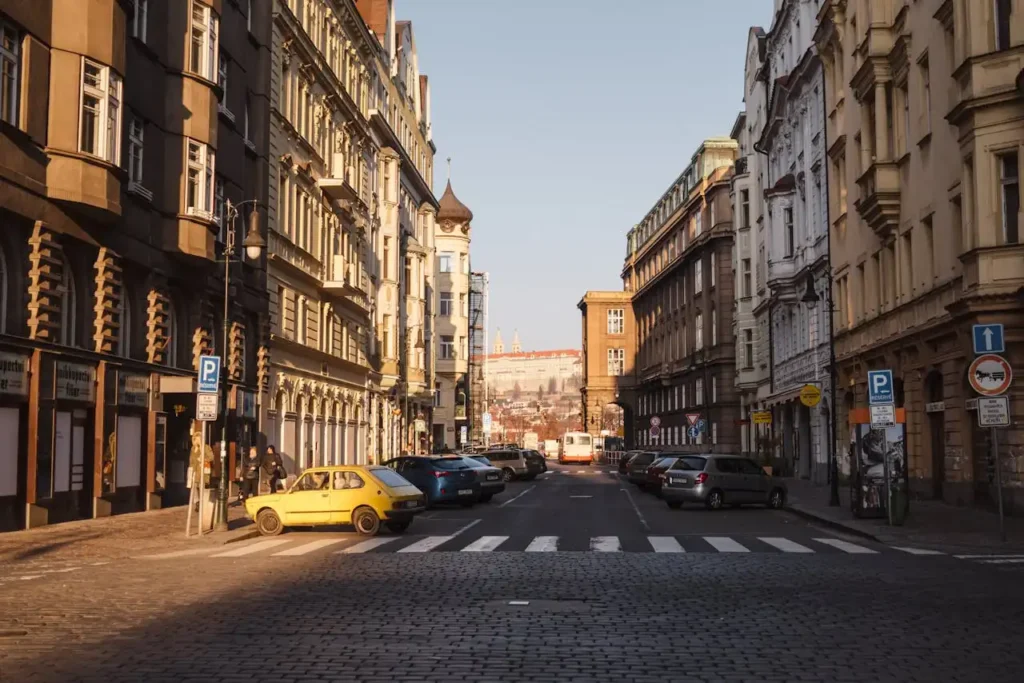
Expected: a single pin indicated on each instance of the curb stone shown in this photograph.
(835, 524)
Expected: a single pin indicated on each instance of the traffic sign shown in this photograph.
(762, 417)
(206, 407)
(810, 395)
(655, 431)
(880, 390)
(994, 411)
(990, 375)
(485, 421)
(988, 338)
(655, 421)
(692, 418)
(209, 374)
(702, 425)
(883, 416)
(693, 432)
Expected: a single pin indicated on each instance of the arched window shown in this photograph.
(68, 302)
(124, 337)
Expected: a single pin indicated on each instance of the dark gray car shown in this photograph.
(715, 480)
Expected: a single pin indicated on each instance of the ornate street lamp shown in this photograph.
(811, 300)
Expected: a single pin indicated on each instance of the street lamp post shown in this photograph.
(254, 245)
(811, 299)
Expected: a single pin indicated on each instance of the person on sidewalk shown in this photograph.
(250, 476)
(273, 467)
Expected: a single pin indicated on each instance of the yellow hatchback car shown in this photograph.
(353, 494)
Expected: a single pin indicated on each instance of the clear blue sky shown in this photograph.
(565, 121)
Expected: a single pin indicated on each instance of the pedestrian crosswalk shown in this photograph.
(995, 560)
(300, 545)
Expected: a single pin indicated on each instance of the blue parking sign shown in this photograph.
(209, 374)
(880, 390)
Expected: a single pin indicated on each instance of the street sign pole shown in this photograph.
(888, 475)
(999, 484)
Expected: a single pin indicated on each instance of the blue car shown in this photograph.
(442, 480)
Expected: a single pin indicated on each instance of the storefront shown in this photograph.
(126, 431)
(14, 388)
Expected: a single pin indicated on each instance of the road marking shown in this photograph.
(365, 546)
(252, 549)
(468, 526)
(724, 544)
(986, 557)
(605, 544)
(425, 544)
(1005, 560)
(310, 547)
(485, 544)
(918, 551)
(665, 544)
(178, 553)
(636, 510)
(515, 498)
(784, 544)
(846, 546)
(581, 496)
(543, 544)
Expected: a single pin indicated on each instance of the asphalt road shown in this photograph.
(574, 577)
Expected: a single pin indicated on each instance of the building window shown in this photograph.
(248, 15)
(10, 65)
(714, 389)
(246, 130)
(437, 395)
(203, 56)
(199, 181)
(222, 80)
(698, 332)
(1003, 10)
(616, 321)
(698, 223)
(444, 261)
(926, 95)
(136, 131)
(100, 124)
(301, 319)
(714, 266)
(714, 327)
(698, 276)
(446, 304)
(139, 19)
(744, 208)
(745, 283)
(464, 264)
(219, 209)
(748, 349)
(711, 214)
(1009, 181)
(698, 390)
(616, 362)
(787, 226)
(447, 347)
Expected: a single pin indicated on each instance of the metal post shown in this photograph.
(999, 485)
(221, 520)
(888, 478)
(202, 478)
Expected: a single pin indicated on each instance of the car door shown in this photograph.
(347, 493)
(730, 480)
(416, 472)
(758, 482)
(308, 501)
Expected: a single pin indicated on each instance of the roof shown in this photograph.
(526, 355)
(450, 208)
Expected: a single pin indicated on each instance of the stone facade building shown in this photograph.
(925, 134)
(679, 271)
(609, 355)
(117, 162)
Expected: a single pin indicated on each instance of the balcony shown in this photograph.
(340, 186)
(348, 285)
(282, 249)
(879, 202)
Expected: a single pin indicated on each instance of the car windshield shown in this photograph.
(389, 477)
(450, 464)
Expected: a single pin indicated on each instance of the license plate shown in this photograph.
(492, 477)
(682, 480)
(465, 492)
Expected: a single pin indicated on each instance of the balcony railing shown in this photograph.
(340, 186)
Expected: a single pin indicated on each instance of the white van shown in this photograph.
(577, 447)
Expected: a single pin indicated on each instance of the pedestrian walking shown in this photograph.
(250, 475)
(273, 467)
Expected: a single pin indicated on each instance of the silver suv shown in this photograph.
(511, 462)
(716, 480)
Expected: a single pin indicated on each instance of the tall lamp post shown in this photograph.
(254, 245)
(811, 299)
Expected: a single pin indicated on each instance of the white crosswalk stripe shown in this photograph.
(605, 544)
(724, 544)
(665, 544)
(846, 546)
(918, 551)
(425, 544)
(485, 544)
(253, 549)
(366, 545)
(784, 544)
(307, 548)
(543, 544)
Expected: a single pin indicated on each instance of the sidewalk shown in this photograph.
(930, 524)
(116, 537)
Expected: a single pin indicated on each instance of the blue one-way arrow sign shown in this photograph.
(988, 338)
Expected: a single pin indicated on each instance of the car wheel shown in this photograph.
(715, 500)
(398, 527)
(366, 521)
(777, 499)
(674, 504)
(268, 523)
(509, 474)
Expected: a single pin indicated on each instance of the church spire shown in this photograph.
(516, 346)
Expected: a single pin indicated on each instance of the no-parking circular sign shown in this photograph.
(990, 375)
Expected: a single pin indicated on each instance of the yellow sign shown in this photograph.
(810, 395)
(762, 417)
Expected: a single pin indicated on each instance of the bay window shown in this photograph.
(100, 124)
(199, 189)
(203, 49)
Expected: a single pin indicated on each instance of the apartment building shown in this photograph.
(451, 384)
(121, 185)
(749, 258)
(679, 270)
(609, 354)
(923, 106)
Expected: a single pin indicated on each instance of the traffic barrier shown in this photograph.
(611, 457)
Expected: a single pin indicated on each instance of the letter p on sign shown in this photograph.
(209, 374)
(880, 390)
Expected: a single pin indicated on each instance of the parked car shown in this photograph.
(624, 461)
(656, 473)
(535, 463)
(490, 477)
(442, 479)
(716, 480)
(636, 471)
(511, 461)
(356, 495)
